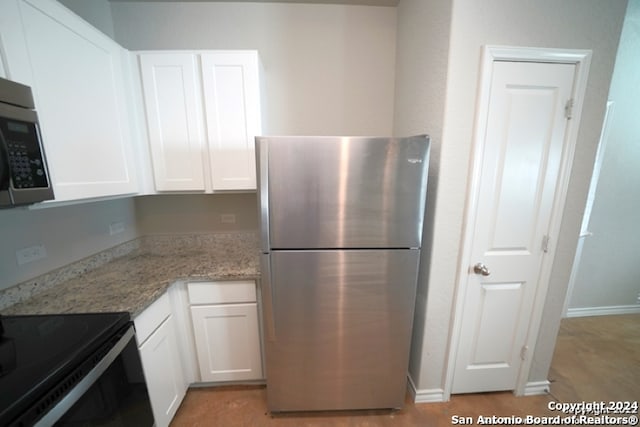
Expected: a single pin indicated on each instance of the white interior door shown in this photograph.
(521, 154)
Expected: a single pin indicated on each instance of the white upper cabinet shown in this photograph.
(171, 90)
(231, 90)
(14, 59)
(203, 113)
(78, 80)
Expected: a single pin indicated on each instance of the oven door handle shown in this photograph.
(80, 388)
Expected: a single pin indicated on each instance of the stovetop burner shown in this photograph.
(37, 351)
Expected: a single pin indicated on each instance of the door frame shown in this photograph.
(490, 55)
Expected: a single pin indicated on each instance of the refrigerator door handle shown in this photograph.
(267, 297)
(262, 150)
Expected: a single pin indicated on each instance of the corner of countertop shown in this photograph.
(233, 242)
(29, 288)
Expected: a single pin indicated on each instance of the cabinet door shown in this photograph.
(14, 61)
(79, 94)
(172, 100)
(227, 342)
(232, 102)
(163, 372)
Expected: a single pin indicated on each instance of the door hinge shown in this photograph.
(568, 109)
(523, 352)
(545, 243)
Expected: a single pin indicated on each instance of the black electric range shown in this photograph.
(40, 355)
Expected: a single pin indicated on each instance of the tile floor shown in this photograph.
(596, 358)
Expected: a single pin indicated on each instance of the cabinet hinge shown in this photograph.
(523, 352)
(568, 109)
(545, 243)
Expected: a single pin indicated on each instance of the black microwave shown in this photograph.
(24, 177)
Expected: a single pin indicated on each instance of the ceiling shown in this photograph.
(389, 3)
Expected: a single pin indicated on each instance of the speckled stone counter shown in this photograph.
(131, 282)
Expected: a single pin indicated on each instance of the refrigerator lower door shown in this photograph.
(341, 328)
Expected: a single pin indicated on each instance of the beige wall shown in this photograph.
(95, 12)
(580, 24)
(69, 233)
(421, 73)
(328, 69)
(191, 213)
(608, 272)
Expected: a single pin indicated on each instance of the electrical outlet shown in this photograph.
(116, 228)
(228, 218)
(30, 254)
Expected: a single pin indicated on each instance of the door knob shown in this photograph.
(482, 269)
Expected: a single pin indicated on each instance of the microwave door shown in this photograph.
(27, 181)
(23, 173)
(5, 199)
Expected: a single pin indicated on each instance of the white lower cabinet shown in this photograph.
(226, 330)
(160, 360)
(198, 332)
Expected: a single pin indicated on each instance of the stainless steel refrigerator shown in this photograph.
(341, 229)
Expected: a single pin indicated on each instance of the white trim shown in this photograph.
(536, 388)
(183, 325)
(574, 273)
(597, 167)
(603, 311)
(582, 60)
(535, 54)
(425, 396)
(593, 185)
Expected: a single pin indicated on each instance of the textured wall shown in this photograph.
(192, 213)
(609, 270)
(328, 69)
(421, 72)
(579, 24)
(69, 233)
(95, 12)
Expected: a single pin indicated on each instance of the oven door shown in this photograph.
(114, 392)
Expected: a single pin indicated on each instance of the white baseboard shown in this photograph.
(603, 311)
(426, 395)
(536, 388)
(533, 388)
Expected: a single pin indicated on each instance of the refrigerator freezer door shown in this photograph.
(333, 192)
(341, 328)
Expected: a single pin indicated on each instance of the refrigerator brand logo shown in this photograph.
(414, 161)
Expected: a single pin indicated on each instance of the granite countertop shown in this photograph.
(133, 281)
